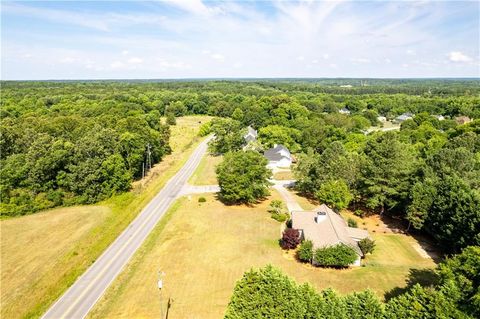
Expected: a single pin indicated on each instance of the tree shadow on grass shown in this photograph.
(424, 277)
(219, 197)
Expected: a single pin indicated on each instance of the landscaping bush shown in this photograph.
(276, 206)
(202, 200)
(290, 238)
(359, 213)
(280, 217)
(367, 245)
(305, 251)
(335, 256)
(352, 223)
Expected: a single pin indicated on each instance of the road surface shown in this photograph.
(79, 299)
(280, 186)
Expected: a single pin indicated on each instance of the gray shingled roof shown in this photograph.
(274, 154)
(331, 230)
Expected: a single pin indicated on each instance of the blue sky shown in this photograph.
(201, 39)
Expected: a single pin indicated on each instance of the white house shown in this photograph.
(251, 135)
(326, 228)
(344, 111)
(403, 117)
(278, 156)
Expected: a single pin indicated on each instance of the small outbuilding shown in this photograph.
(463, 119)
(403, 117)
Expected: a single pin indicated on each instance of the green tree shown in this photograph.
(228, 136)
(335, 194)
(243, 177)
(367, 245)
(386, 176)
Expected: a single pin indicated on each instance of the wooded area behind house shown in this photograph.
(66, 143)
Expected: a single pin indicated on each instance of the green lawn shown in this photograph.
(205, 248)
(42, 254)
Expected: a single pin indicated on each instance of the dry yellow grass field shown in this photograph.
(205, 172)
(283, 175)
(43, 253)
(204, 248)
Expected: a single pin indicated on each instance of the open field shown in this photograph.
(283, 175)
(43, 254)
(206, 247)
(205, 172)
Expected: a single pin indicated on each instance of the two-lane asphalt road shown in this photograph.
(79, 299)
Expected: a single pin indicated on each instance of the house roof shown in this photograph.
(251, 131)
(330, 230)
(277, 153)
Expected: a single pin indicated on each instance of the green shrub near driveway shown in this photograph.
(202, 199)
(335, 256)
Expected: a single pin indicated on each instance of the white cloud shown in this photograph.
(410, 52)
(68, 60)
(457, 56)
(135, 60)
(218, 57)
(125, 52)
(117, 65)
(300, 58)
(360, 60)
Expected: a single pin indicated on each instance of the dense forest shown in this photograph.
(64, 143)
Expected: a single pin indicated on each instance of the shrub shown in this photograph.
(276, 206)
(359, 213)
(280, 217)
(205, 129)
(171, 120)
(352, 223)
(202, 200)
(366, 245)
(305, 251)
(290, 238)
(335, 256)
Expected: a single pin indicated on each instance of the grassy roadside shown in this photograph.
(205, 247)
(205, 172)
(45, 287)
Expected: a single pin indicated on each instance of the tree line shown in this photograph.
(454, 293)
(64, 143)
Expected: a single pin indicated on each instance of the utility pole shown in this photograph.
(149, 159)
(160, 286)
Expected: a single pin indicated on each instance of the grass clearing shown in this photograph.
(283, 175)
(205, 172)
(206, 247)
(62, 255)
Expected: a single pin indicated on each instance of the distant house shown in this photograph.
(403, 117)
(439, 117)
(463, 119)
(346, 86)
(251, 135)
(344, 111)
(326, 228)
(278, 156)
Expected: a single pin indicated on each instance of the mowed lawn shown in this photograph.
(204, 248)
(43, 253)
(205, 172)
